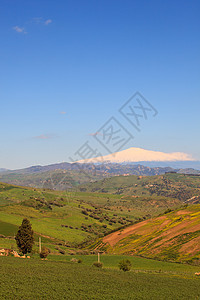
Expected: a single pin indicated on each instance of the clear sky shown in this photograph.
(66, 67)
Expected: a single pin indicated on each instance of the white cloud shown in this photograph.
(19, 29)
(37, 21)
(47, 22)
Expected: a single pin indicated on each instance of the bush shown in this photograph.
(167, 211)
(125, 265)
(61, 251)
(44, 252)
(75, 260)
(98, 264)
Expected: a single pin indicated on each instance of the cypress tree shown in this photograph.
(24, 237)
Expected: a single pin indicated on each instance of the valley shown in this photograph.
(82, 218)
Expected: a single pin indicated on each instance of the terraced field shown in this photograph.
(174, 236)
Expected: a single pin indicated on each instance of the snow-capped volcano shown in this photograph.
(140, 155)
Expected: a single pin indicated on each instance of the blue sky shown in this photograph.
(66, 67)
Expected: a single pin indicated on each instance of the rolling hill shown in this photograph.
(174, 236)
(64, 176)
(65, 218)
(90, 215)
(181, 187)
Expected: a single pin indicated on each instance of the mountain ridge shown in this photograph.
(63, 176)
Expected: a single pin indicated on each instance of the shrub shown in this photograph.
(74, 260)
(98, 264)
(167, 211)
(44, 252)
(61, 251)
(84, 212)
(125, 265)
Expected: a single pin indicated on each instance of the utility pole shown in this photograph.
(40, 249)
(98, 257)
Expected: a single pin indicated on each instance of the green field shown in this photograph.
(139, 264)
(53, 279)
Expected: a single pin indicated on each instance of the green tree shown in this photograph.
(125, 265)
(24, 237)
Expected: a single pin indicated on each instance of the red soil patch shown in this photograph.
(138, 228)
(183, 212)
(115, 237)
(150, 227)
(191, 246)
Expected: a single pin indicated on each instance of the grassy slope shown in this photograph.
(174, 236)
(16, 202)
(65, 209)
(34, 279)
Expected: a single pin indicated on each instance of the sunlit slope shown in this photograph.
(174, 236)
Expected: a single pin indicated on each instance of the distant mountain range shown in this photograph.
(133, 161)
(65, 175)
(131, 156)
(145, 169)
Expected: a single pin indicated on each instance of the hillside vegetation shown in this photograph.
(174, 236)
(65, 218)
(78, 218)
(170, 185)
